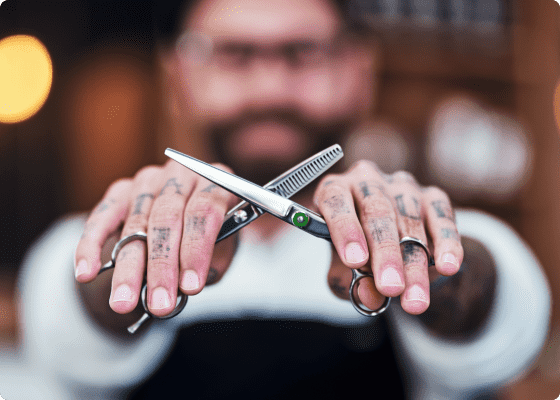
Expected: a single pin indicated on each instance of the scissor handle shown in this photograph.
(357, 275)
(182, 298)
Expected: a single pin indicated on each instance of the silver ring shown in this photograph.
(181, 297)
(408, 239)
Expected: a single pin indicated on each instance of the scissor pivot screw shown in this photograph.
(240, 216)
(300, 219)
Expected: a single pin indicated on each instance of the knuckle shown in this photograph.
(389, 246)
(333, 190)
(345, 223)
(374, 189)
(120, 185)
(327, 178)
(205, 206)
(147, 173)
(404, 176)
(135, 223)
(161, 266)
(167, 212)
(376, 208)
(366, 165)
(195, 245)
(436, 192)
(214, 201)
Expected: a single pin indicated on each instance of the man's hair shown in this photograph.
(168, 15)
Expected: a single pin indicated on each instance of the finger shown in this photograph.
(340, 278)
(103, 221)
(378, 218)
(335, 203)
(203, 219)
(130, 265)
(165, 227)
(407, 198)
(448, 251)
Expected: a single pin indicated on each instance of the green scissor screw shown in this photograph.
(300, 219)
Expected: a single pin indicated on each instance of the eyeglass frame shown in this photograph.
(328, 49)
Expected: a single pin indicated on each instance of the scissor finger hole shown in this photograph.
(368, 287)
(179, 304)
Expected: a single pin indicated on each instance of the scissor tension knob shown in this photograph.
(240, 216)
(300, 219)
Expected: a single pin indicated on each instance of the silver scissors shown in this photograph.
(275, 203)
(272, 198)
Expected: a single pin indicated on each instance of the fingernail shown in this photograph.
(354, 253)
(190, 280)
(449, 261)
(82, 268)
(416, 293)
(391, 277)
(160, 299)
(123, 293)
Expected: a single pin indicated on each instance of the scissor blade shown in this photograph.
(285, 185)
(254, 194)
(298, 177)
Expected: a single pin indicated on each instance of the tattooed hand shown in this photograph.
(367, 213)
(182, 214)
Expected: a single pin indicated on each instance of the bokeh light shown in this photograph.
(25, 77)
(476, 153)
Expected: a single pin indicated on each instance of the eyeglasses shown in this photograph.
(240, 56)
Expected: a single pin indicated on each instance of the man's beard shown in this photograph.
(264, 168)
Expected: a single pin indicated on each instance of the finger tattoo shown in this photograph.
(130, 251)
(402, 208)
(212, 276)
(365, 188)
(443, 210)
(383, 229)
(209, 188)
(338, 205)
(140, 201)
(337, 287)
(161, 243)
(327, 183)
(104, 205)
(447, 233)
(172, 182)
(195, 225)
(412, 253)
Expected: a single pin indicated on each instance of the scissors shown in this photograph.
(272, 198)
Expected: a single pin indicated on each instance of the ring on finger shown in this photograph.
(408, 239)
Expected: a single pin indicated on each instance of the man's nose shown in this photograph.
(270, 84)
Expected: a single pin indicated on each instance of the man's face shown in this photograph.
(279, 84)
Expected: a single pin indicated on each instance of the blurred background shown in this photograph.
(467, 99)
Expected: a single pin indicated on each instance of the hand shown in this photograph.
(182, 214)
(367, 213)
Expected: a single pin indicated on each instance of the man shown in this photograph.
(280, 84)
(269, 83)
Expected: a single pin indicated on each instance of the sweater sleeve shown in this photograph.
(59, 338)
(511, 339)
